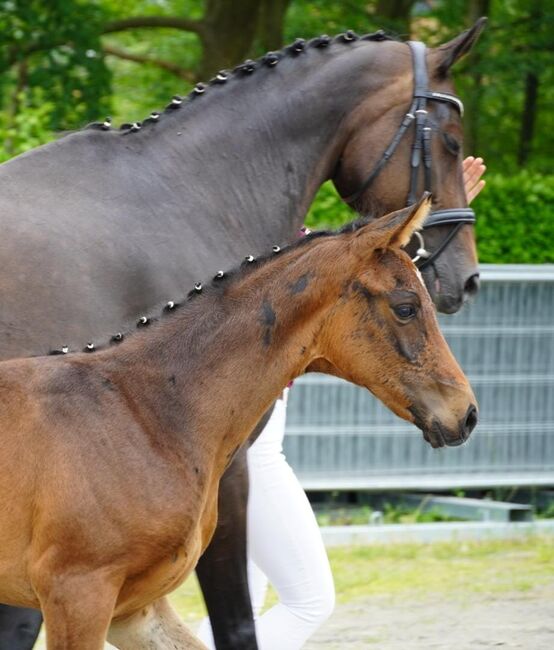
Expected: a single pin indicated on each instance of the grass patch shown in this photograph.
(391, 514)
(461, 567)
(401, 571)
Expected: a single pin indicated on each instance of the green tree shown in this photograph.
(84, 59)
(54, 47)
(508, 81)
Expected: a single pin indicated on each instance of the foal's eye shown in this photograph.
(405, 312)
(451, 144)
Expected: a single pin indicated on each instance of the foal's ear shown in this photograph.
(395, 230)
(455, 49)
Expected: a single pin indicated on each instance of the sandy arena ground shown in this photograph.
(510, 620)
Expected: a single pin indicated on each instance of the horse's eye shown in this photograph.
(405, 312)
(451, 144)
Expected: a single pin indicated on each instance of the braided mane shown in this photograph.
(244, 69)
(218, 283)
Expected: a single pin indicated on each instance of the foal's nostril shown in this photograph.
(471, 287)
(470, 421)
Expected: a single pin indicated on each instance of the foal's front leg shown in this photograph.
(155, 627)
(77, 609)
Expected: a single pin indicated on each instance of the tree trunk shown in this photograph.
(394, 15)
(476, 9)
(529, 114)
(528, 118)
(271, 20)
(228, 33)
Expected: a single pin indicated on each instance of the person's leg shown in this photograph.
(284, 542)
(257, 585)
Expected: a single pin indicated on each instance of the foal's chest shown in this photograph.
(162, 576)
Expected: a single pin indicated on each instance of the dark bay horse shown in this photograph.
(111, 462)
(103, 225)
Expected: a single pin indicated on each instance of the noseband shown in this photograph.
(421, 153)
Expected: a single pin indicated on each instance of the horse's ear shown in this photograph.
(455, 49)
(395, 230)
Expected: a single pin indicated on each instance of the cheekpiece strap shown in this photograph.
(420, 68)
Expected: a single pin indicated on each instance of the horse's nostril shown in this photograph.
(471, 287)
(470, 421)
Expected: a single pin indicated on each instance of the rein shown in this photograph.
(421, 154)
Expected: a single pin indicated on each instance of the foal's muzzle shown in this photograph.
(439, 436)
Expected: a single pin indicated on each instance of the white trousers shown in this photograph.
(284, 546)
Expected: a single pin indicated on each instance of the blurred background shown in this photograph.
(64, 63)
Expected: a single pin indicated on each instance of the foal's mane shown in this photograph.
(219, 283)
(243, 70)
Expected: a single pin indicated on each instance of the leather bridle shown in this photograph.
(421, 154)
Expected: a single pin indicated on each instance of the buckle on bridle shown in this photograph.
(456, 217)
(421, 252)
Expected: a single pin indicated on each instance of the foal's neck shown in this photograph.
(227, 356)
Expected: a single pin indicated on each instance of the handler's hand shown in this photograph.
(473, 170)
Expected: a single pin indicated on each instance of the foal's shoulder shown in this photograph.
(48, 375)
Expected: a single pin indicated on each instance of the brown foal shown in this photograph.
(110, 462)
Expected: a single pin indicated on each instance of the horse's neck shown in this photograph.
(229, 356)
(265, 143)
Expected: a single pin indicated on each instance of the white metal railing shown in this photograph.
(339, 436)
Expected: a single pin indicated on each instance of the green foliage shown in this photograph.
(138, 89)
(348, 515)
(58, 46)
(307, 18)
(55, 46)
(345, 516)
(515, 222)
(399, 514)
(547, 512)
(328, 209)
(517, 40)
(29, 127)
